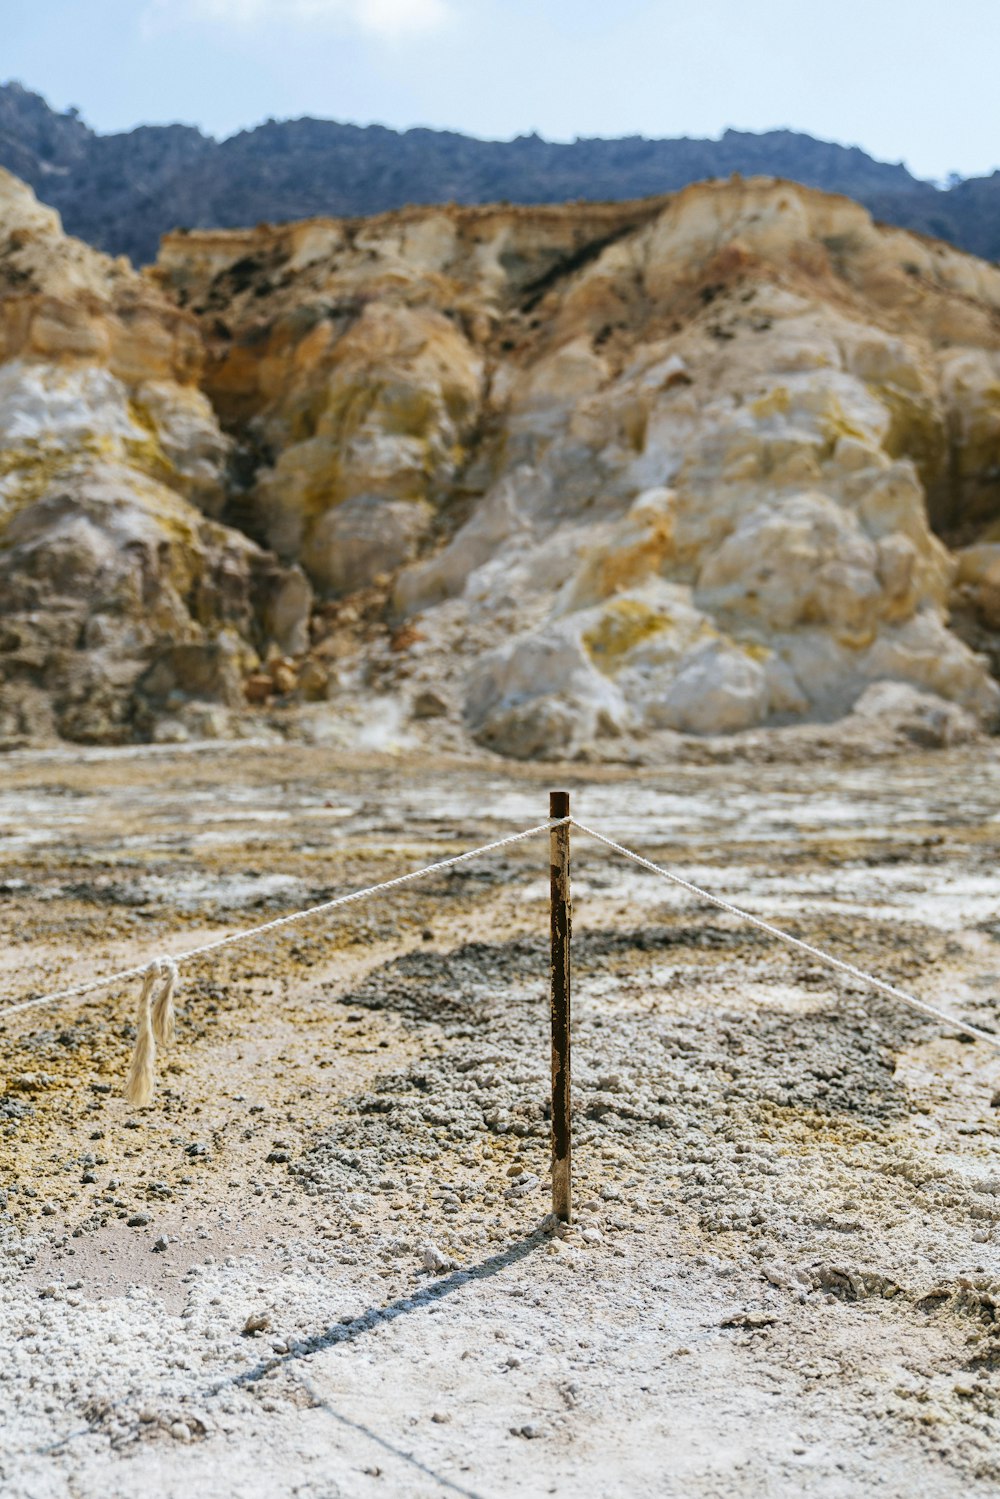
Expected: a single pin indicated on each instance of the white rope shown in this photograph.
(269, 926)
(161, 1018)
(774, 931)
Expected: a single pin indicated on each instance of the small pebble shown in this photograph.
(433, 1260)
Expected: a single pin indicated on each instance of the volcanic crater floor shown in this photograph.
(318, 1264)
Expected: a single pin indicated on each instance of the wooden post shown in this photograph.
(561, 913)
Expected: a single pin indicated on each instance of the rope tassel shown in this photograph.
(163, 1004)
(154, 1023)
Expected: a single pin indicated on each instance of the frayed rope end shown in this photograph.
(142, 1069)
(154, 1023)
(163, 1004)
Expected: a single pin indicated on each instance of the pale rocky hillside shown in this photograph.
(119, 597)
(558, 481)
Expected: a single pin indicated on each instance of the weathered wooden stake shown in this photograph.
(562, 919)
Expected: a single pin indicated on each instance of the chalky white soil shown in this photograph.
(315, 1265)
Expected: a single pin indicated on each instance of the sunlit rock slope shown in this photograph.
(685, 465)
(120, 600)
(567, 480)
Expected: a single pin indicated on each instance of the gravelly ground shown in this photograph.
(784, 1273)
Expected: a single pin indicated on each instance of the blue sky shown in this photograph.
(908, 80)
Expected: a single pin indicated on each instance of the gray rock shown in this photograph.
(362, 537)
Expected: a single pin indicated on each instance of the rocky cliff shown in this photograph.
(564, 480)
(118, 594)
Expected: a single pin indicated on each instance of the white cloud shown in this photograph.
(388, 19)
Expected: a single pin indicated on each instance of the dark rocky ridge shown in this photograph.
(122, 192)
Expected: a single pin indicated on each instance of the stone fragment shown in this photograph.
(921, 717)
(429, 704)
(434, 1260)
(258, 687)
(284, 675)
(314, 680)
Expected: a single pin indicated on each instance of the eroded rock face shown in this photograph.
(638, 469)
(589, 476)
(120, 601)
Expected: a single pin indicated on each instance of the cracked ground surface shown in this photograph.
(316, 1264)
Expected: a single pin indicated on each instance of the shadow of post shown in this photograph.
(368, 1321)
